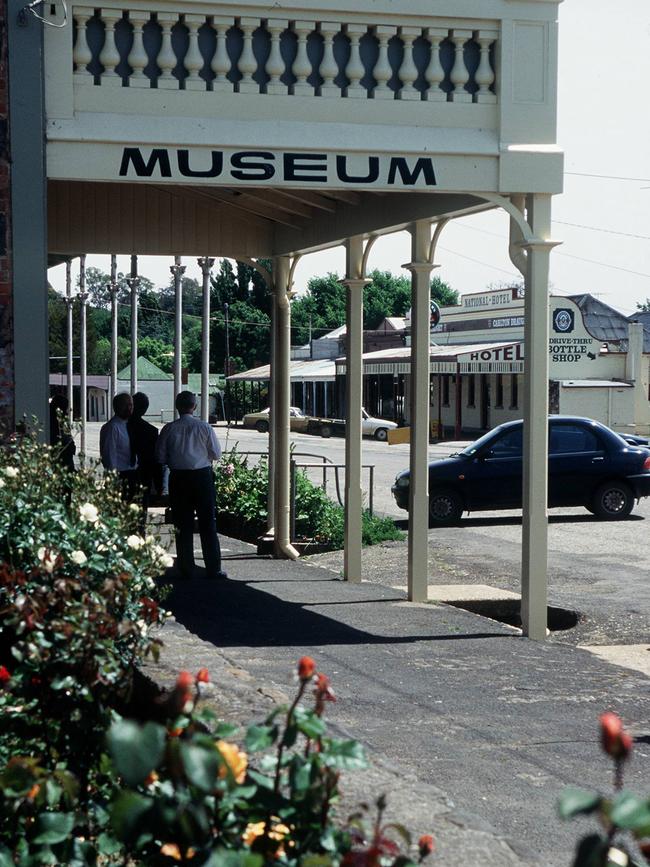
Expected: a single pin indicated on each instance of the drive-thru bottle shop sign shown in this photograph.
(573, 352)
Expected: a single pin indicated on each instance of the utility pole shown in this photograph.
(69, 366)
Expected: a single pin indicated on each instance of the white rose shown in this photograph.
(134, 507)
(150, 540)
(2, 483)
(78, 557)
(101, 548)
(89, 513)
(47, 559)
(11, 472)
(162, 557)
(135, 542)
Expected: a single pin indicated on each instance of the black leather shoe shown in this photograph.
(216, 576)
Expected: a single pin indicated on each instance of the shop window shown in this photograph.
(499, 391)
(514, 391)
(471, 390)
(445, 390)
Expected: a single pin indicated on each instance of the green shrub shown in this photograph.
(242, 493)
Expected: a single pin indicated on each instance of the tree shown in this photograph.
(443, 294)
(98, 283)
(644, 307)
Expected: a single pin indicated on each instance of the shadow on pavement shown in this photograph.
(235, 614)
(515, 520)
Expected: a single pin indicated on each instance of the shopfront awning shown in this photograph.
(463, 358)
(321, 370)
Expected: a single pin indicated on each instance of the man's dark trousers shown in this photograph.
(190, 492)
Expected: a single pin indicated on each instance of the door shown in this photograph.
(494, 478)
(576, 460)
(485, 401)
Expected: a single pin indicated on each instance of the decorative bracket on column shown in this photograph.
(177, 269)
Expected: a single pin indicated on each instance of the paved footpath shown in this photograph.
(472, 730)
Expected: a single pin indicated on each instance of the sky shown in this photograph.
(603, 216)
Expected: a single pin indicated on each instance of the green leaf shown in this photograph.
(299, 775)
(316, 861)
(6, 859)
(127, 813)
(201, 766)
(573, 802)
(309, 723)
(136, 750)
(632, 813)
(344, 755)
(230, 858)
(290, 735)
(224, 730)
(591, 851)
(107, 844)
(53, 827)
(259, 738)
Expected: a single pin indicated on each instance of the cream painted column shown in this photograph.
(133, 282)
(534, 553)
(205, 264)
(83, 345)
(113, 289)
(177, 270)
(280, 415)
(418, 543)
(70, 341)
(354, 282)
(273, 368)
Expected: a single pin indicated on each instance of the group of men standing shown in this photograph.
(137, 451)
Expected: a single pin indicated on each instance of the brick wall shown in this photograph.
(6, 282)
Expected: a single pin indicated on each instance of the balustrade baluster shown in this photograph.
(166, 59)
(485, 74)
(221, 62)
(137, 58)
(82, 54)
(383, 72)
(109, 56)
(275, 63)
(434, 73)
(459, 74)
(354, 69)
(408, 71)
(302, 66)
(247, 64)
(194, 59)
(329, 67)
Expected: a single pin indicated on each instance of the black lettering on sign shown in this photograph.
(298, 168)
(183, 157)
(370, 178)
(424, 166)
(246, 166)
(158, 156)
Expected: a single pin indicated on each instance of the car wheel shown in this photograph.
(381, 434)
(613, 501)
(445, 507)
(326, 431)
(262, 426)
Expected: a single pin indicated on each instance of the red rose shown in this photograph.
(5, 675)
(616, 742)
(306, 668)
(426, 845)
(184, 681)
(203, 676)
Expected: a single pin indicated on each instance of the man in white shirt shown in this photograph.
(188, 446)
(115, 445)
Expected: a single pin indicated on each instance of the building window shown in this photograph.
(514, 391)
(471, 390)
(499, 391)
(445, 390)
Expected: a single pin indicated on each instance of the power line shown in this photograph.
(607, 231)
(609, 177)
(478, 261)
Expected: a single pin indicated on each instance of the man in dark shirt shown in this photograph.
(144, 437)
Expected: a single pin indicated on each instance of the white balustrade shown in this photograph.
(484, 74)
(355, 69)
(166, 59)
(109, 56)
(194, 59)
(383, 71)
(221, 62)
(275, 63)
(137, 58)
(408, 71)
(302, 66)
(329, 68)
(82, 55)
(466, 87)
(247, 63)
(459, 75)
(434, 73)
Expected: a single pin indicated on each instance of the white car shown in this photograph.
(375, 427)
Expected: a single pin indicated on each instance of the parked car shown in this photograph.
(325, 427)
(588, 465)
(260, 420)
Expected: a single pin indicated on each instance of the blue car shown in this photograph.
(588, 465)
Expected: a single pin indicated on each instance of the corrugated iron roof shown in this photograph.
(607, 324)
